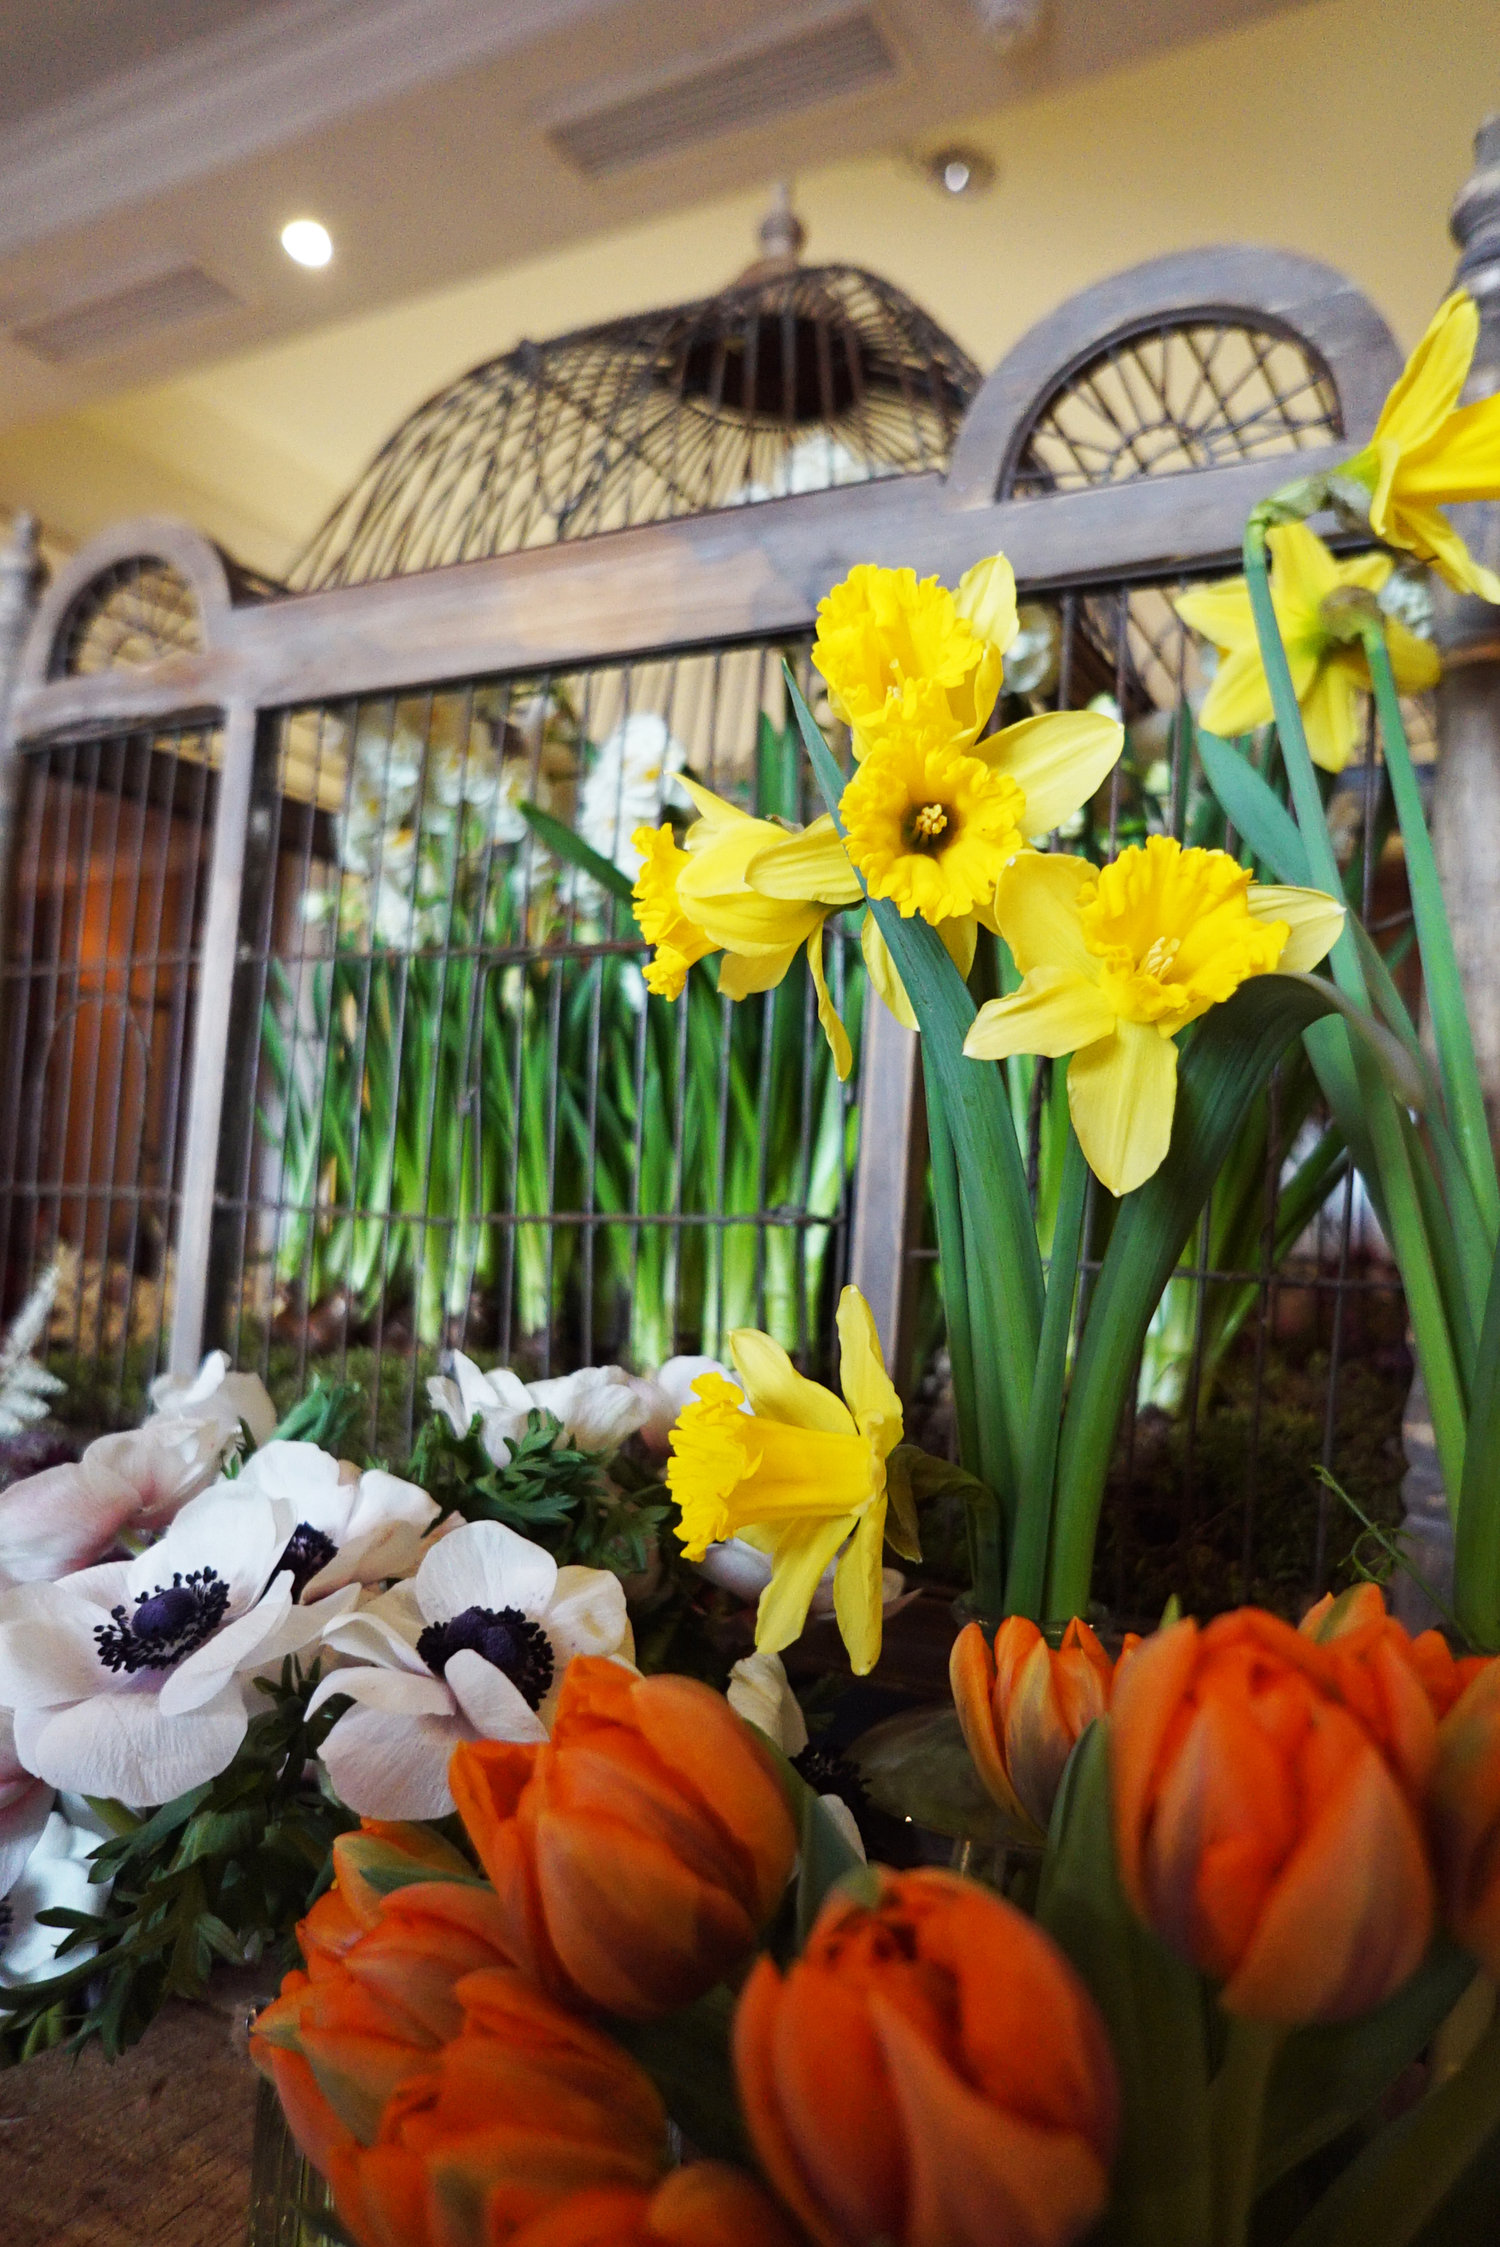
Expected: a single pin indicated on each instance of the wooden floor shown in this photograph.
(151, 2151)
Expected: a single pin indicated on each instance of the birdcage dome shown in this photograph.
(793, 379)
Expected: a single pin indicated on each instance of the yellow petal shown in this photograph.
(813, 865)
(986, 598)
(858, 1590)
(742, 975)
(961, 941)
(1240, 697)
(1305, 573)
(868, 1389)
(1058, 760)
(1054, 1012)
(882, 972)
(1330, 716)
(1036, 905)
(739, 921)
(716, 866)
(777, 1391)
(1415, 662)
(1220, 613)
(1315, 919)
(1461, 462)
(1366, 571)
(1427, 532)
(715, 816)
(798, 1559)
(833, 1028)
(1121, 1094)
(1426, 391)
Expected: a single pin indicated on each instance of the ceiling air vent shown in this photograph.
(796, 72)
(102, 325)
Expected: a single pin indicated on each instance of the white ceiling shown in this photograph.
(151, 150)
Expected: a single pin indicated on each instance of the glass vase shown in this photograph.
(287, 2196)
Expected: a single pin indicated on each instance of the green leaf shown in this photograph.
(1252, 805)
(687, 2056)
(1153, 2008)
(1476, 1573)
(574, 851)
(915, 1766)
(1327, 2078)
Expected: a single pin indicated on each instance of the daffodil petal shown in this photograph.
(1461, 462)
(1367, 571)
(777, 1391)
(1036, 905)
(1304, 572)
(1315, 920)
(1240, 697)
(743, 974)
(1415, 662)
(986, 599)
(1121, 1094)
(1427, 532)
(1058, 760)
(868, 1389)
(961, 941)
(716, 816)
(798, 1559)
(812, 865)
(1426, 390)
(717, 868)
(1054, 1012)
(882, 973)
(828, 1015)
(1220, 613)
(1330, 717)
(858, 1587)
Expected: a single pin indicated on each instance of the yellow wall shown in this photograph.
(1341, 130)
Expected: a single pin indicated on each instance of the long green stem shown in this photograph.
(1403, 1209)
(1238, 2098)
(1440, 976)
(1026, 1587)
(986, 1562)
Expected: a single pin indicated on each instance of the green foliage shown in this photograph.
(327, 1416)
(557, 1496)
(221, 1873)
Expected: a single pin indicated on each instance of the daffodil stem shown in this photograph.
(1402, 1204)
(1026, 1583)
(1239, 2097)
(986, 1565)
(1440, 976)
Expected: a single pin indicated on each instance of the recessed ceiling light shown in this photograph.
(960, 171)
(307, 242)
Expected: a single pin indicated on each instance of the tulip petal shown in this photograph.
(1036, 905)
(812, 866)
(1148, 1690)
(1121, 1095)
(1315, 919)
(1059, 760)
(778, 1391)
(1055, 1011)
(754, 2045)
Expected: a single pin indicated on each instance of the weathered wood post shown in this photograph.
(1465, 814)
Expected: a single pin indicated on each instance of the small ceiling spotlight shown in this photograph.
(307, 242)
(1008, 23)
(960, 171)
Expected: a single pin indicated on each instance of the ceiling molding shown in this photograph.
(217, 100)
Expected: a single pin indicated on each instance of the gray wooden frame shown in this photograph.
(748, 572)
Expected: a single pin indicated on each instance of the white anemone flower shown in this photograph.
(758, 1691)
(666, 1393)
(132, 1679)
(53, 1877)
(474, 1647)
(125, 1486)
(598, 1406)
(216, 1396)
(349, 1528)
(25, 1802)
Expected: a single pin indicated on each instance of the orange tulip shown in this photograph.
(1355, 1622)
(1267, 1812)
(1023, 1706)
(636, 1854)
(368, 1863)
(930, 2070)
(1465, 1810)
(527, 2107)
(702, 2205)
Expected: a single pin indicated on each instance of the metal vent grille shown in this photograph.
(812, 66)
(106, 324)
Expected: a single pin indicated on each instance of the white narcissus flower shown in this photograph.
(759, 1691)
(53, 1877)
(132, 1679)
(218, 1398)
(631, 779)
(598, 1406)
(474, 1647)
(350, 1528)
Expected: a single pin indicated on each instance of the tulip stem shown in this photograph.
(1238, 2096)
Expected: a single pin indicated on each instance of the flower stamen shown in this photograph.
(308, 1551)
(928, 824)
(169, 1623)
(505, 1638)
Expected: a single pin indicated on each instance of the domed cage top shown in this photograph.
(796, 379)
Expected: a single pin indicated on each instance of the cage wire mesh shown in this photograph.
(794, 380)
(468, 1126)
(109, 878)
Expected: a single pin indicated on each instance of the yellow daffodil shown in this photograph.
(802, 1470)
(1428, 452)
(695, 900)
(1116, 960)
(1328, 672)
(879, 628)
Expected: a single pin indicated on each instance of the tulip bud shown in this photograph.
(1465, 1809)
(1258, 1778)
(930, 2069)
(1355, 1623)
(704, 2204)
(1022, 1708)
(636, 1854)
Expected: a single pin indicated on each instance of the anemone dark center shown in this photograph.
(929, 827)
(505, 1638)
(307, 1551)
(826, 1773)
(169, 1623)
(7, 1922)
